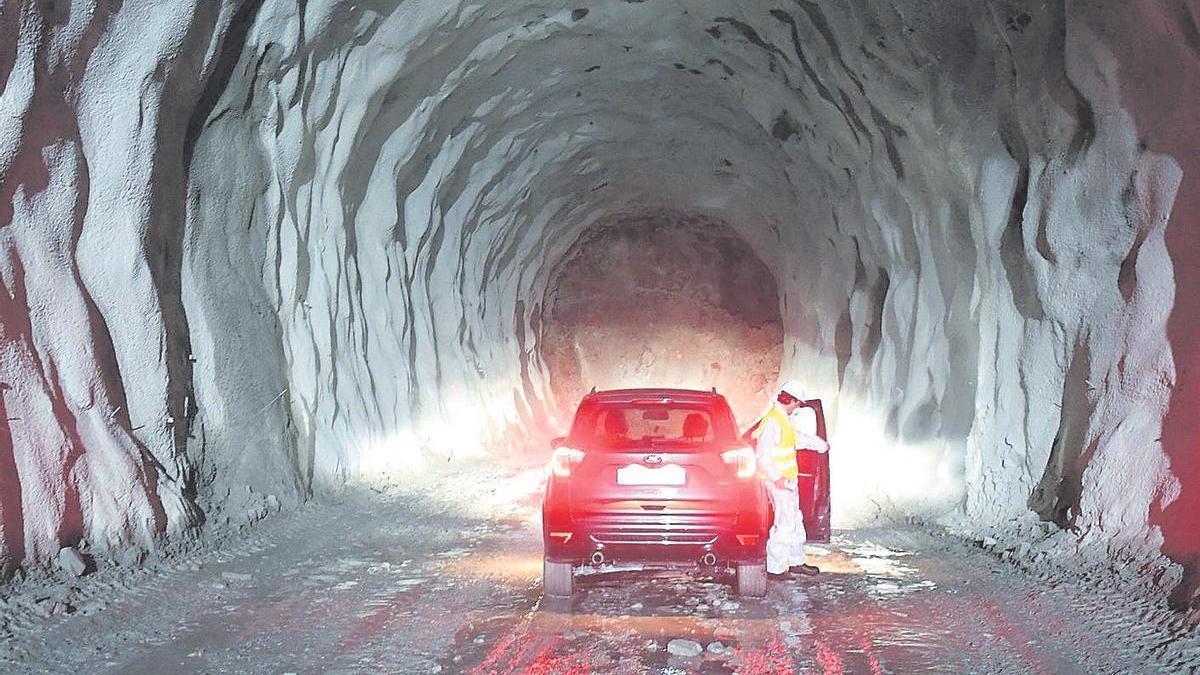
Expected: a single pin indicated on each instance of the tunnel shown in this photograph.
(257, 253)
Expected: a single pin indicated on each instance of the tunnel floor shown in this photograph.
(421, 581)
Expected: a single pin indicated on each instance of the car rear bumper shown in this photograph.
(675, 538)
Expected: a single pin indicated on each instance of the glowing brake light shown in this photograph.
(743, 460)
(562, 459)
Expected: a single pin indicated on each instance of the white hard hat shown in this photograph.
(793, 388)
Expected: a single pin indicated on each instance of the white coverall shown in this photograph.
(785, 541)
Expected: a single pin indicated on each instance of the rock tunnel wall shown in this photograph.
(254, 249)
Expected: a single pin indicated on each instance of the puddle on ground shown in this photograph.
(624, 621)
(867, 612)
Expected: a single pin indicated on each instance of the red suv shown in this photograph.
(658, 477)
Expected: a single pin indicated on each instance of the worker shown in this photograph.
(777, 440)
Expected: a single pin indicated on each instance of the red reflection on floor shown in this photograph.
(771, 658)
(531, 654)
(868, 648)
(829, 659)
(546, 663)
(497, 652)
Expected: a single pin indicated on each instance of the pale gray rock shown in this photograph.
(72, 562)
(684, 648)
(91, 608)
(131, 556)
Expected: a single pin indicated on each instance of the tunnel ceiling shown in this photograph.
(253, 249)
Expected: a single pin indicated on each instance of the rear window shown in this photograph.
(668, 425)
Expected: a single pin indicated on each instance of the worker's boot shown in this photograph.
(806, 570)
(782, 576)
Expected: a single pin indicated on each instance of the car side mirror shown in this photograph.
(556, 443)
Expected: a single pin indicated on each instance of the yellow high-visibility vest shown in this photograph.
(784, 455)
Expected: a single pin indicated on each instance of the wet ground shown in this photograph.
(422, 581)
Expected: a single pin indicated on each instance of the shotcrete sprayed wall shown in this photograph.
(253, 249)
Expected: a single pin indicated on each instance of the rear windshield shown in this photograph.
(668, 425)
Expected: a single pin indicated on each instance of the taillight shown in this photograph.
(742, 459)
(562, 460)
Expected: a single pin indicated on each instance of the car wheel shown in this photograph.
(752, 579)
(558, 579)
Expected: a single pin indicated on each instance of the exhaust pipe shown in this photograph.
(709, 559)
(597, 558)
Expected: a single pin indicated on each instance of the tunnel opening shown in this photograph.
(662, 299)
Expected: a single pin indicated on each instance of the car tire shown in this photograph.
(752, 579)
(558, 579)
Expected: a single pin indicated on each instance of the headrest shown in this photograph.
(615, 424)
(695, 425)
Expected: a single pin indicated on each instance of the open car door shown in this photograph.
(814, 473)
(814, 477)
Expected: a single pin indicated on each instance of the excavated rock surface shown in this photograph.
(250, 249)
(664, 300)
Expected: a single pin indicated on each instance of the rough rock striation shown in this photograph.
(252, 249)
